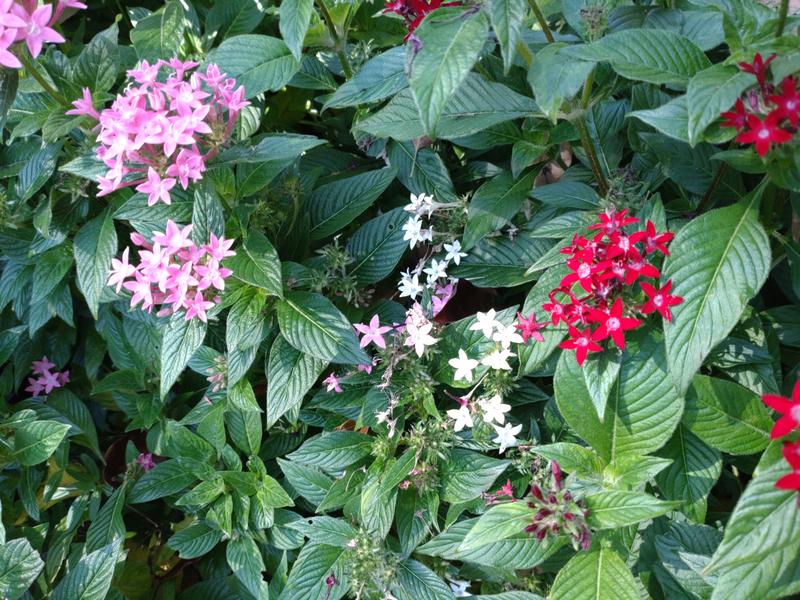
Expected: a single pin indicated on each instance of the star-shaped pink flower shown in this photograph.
(373, 332)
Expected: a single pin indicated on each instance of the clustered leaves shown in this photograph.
(415, 299)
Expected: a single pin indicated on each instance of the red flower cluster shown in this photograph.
(606, 267)
(781, 112)
(788, 422)
(413, 11)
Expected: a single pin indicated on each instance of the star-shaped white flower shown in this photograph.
(413, 231)
(419, 337)
(420, 205)
(409, 286)
(461, 416)
(494, 409)
(486, 323)
(437, 270)
(506, 436)
(454, 252)
(498, 360)
(507, 335)
(463, 366)
(459, 588)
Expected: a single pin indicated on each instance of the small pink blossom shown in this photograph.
(7, 58)
(198, 306)
(84, 106)
(373, 332)
(47, 379)
(332, 384)
(40, 367)
(156, 188)
(145, 461)
(37, 28)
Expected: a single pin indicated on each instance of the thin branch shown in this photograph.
(542, 21)
(340, 43)
(783, 11)
(30, 68)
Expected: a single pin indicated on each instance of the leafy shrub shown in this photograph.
(421, 299)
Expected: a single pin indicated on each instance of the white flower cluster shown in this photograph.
(492, 409)
(436, 278)
(418, 329)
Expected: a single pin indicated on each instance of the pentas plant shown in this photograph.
(174, 272)
(767, 117)
(788, 423)
(46, 378)
(597, 299)
(171, 119)
(29, 23)
(414, 11)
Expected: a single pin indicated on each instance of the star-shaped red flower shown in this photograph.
(788, 103)
(581, 342)
(789, 410)
(737, 117)
(613, 324)
(791, 481)
(764, 133)
(758, 68)
(652, 239)
(659, 300)
(529, 328)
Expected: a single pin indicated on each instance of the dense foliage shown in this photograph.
(316, 299)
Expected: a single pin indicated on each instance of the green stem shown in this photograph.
(705, 201)
(587, 90)
(783, 11)
(525, 53)
(542, 21)
(594, 164)
(339, 42)
(30, 68)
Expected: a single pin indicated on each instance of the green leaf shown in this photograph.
(245, 560)
(333, 451)
(290, 374)
(207, 214)
(643, 407)
(336, 204)
(572, 458)
(600, 373)
(165, 479)
(256, 262)
(415, 581)
(20, 564)
(717, 263)
(502, 262)
(271, 147)
(451, 39)
(313, 566)
(652, 55)
(381, 77)
(91, 578)
(421, 172)
(241, 396)
(195, 540)
(595, 575)
(245, 324)
(160, 35)
(50, 269)
(97, 64)
(507, 17)
(682, 549)
(295, 17)
(108, 527)
(727, 416)
(494, 204)
(608, 510)
(9, 81)
(760, 548)
(556, 77)
(233, 17)
(95, 246)
(466, 475)
(567, 194)
(35, 441)
(711, 92)
(671, 119)
(477, 105)
(326, 530)
(312, 324)
(498, 523)
(257, 62)
(693, 470)
(180, 341)
(37, 171)
(309, 482)
(377, 247)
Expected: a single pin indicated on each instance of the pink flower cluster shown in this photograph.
(160, 133)
(28, 22)
(47, 379)
(174, 272)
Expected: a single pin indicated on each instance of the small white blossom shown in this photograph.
(382, 416)
(486, 323)
(409, 286)
(419, 337)
(463, 366)
(454, 252)
(461, 416)
(494, 409)
(506, 436)
(459, 588)
(413, 231)
(437, 270)
(507, 335)
(498, 360)
(420, 205)
(427, 234)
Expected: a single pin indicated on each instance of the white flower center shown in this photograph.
(659, 300)
(613, 324)
(763, 134)
(584, 271)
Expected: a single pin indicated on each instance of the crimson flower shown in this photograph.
(758, 68)
(584, 268)
(638, 267)
(764, 133)
(529, 328)
(659, 300)
(581, 342)
(557, 310)
(737, 117)
(611, 221)
(652, 240)
(613, 324)
(788, 103)
(789, 409)
(578, 243)
(791, 481)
